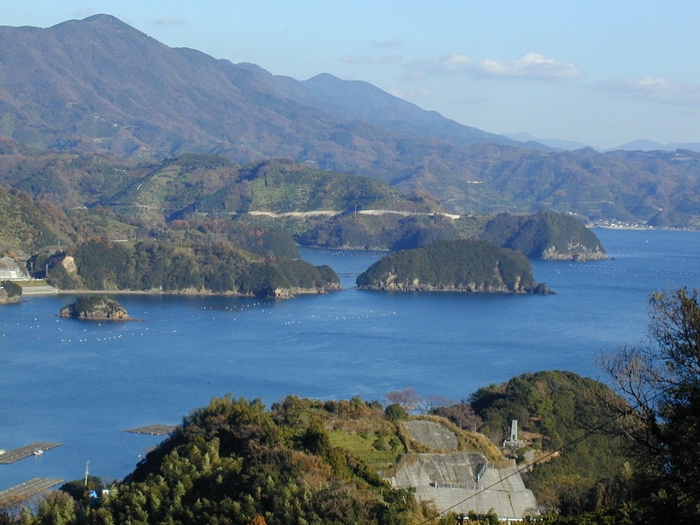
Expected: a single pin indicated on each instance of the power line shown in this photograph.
(583, 437)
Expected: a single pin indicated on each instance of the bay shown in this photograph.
(83, 383)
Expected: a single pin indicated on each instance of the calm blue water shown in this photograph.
(82, 384)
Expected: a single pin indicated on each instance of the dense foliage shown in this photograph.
(206, 198)
(12, 289)
(233, 462)
(554, 409)
(534, 235)
(28, 225)
(381, 232)
(152, 266)
(452, 265)
(661, 379)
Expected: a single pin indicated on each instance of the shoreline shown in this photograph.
(282, 295)
(640, 228)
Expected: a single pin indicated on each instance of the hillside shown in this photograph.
(310, 461)
(194, 197)
(194, 184)
(357, 100)
(99, 84)
(27, 225)
(554, 409)
(181, 268)
(546, 235)
(236, 462)
(102, 87)
(455, 266)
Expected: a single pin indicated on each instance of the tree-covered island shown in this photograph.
(453, 266)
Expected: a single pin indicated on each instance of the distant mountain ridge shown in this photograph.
(635, 145)
(98, 83)
(567, 145)
(650, 145)
(359, 100)
(102, 87)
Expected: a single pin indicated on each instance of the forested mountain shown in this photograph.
(195, 197)
(100, 86)
(358, 100)
(453, 266)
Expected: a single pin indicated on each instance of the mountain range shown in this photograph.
(99, 86)
(635, 145)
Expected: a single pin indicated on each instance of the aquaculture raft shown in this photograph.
(24, 452)
(153, 430)
(30, 488)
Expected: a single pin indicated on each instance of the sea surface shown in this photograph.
(83, 383)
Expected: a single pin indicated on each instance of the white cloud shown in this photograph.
(371, 59)
(654, 88)
(392, 42)
(530, 65)
(170, 21)
(445, 65)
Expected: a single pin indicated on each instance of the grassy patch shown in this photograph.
(378, 449)
(30, 284)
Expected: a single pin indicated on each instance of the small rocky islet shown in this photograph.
(95, 308)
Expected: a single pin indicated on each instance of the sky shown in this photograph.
(598, 72)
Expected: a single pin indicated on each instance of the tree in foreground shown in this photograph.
(661, 379)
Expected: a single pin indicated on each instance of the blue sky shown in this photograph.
(603, 73)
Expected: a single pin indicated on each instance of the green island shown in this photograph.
(453, 266)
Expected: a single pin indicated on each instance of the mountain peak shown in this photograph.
(95, 23)
(99, 19)
(102, 17)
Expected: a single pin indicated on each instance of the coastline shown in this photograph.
(639, 228)
(280, 294)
